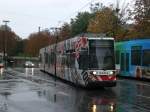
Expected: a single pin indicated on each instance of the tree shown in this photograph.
(65, 31)
(35, 42)
(96, 7)
(8, 40)
(141, 15)
(80, 23)
(12, 43)
(103, 21)
(19, 51)
(111, 21)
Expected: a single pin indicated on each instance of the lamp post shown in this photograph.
(5, 43)
(39, 29)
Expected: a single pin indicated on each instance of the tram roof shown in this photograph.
(95, 36)
(101, 38)
(91, 35)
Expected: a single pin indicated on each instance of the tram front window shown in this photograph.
(101, 54)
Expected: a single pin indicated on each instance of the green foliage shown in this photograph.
(65, 32)
(103, 22)
(142, 18)
(80, 23)
(110, 20)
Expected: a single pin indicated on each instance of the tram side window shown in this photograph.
(68, 60)
(117, 57)
(52, 58)
(122, 62)
(72, 60)
(63, 62)
(146, 56)
(136, 55)
(40, 58)
(49, 60)
(46, 57)
(83, 59)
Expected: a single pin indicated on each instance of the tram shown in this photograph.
(1, 61)
(133, 58)
(87, 60)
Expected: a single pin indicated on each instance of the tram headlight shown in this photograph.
(94, 72)
(111, 108)
(94, 108)
(111, 73)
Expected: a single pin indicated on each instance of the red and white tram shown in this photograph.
(86, 60)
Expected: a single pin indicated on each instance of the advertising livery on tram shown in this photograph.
(86, 60)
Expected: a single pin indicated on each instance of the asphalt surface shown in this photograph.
(30, 90)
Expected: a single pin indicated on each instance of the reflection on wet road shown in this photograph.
(29, 90)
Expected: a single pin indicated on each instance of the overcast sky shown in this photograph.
(26, 16)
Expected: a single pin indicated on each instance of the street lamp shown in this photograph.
(5, 43)
(115, 22)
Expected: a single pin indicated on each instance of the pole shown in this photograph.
(56, 41)
(56, 51)
(39, 29)
(5, 43)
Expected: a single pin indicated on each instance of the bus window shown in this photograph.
(146, 60)
(127, 61)
(136, 55)
(122, 62)
(117, 57)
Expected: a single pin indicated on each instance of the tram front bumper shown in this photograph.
(102, 84)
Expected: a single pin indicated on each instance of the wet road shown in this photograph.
(29, 90)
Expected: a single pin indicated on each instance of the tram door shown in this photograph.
(125, 62)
